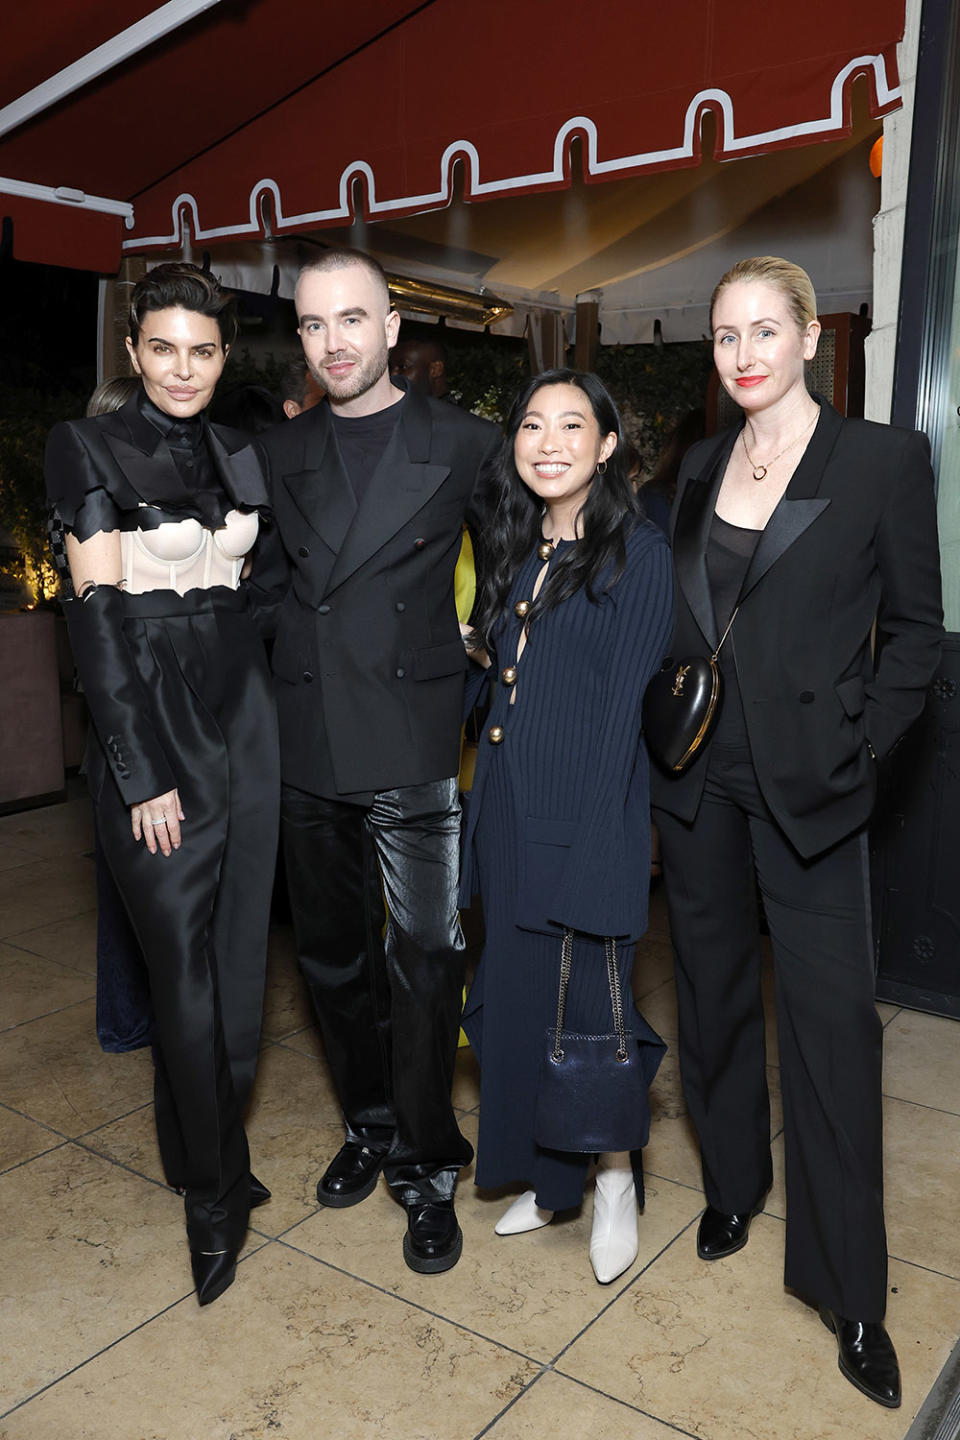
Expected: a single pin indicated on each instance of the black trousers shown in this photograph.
(830, 1035)
(387, 996)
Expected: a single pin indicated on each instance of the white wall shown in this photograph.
(888, 227)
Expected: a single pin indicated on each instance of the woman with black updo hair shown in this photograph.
(154, 512)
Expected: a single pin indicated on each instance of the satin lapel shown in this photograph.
(800, 504)
(240, 470)
(321, 490)
(399, 487)
(691, 533)
(144, 457)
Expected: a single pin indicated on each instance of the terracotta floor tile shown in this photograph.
(21, 1139)
(287, 1007)
(532, 1292)
(53, 1070)
(51, 830)
(293, 1351)
(52, 889)
(921, 1060)
(97, 1252)
(563, 1410)
(71, 941)
(32, 986)
(921, 1165)
(722, 1351)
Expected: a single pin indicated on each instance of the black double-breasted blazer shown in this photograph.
(116, 471)
(853, 540)
(368, 657)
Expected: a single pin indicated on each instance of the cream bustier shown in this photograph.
(182, 555)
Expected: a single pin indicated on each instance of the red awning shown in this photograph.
(251, 118)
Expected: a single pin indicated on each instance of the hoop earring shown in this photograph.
(601, 467)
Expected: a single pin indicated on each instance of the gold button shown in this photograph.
(495, 734)
(509, 675)
(521, 608)
(545, 550)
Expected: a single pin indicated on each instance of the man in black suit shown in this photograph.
(370, 491)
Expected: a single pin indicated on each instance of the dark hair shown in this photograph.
(512, 525)
(333, 259)
(178, 283)
(295, 377)
(252, 408)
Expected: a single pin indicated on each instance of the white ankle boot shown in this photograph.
(524, 1214)
(613, 1240)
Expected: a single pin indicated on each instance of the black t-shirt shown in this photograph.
(362, 439)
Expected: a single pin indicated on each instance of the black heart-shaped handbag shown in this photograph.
(680, 707)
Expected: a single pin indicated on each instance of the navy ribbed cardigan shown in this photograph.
(573, 747)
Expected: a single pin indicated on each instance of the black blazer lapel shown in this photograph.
(401, 485)
(800, 504)
(321, 491)
(691, 532)
(240, 470)
(144, 457)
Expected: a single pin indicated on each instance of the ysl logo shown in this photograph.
(679, 678)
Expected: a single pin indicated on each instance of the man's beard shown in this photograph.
(363, 376)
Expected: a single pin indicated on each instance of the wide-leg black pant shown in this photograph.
(830, 1036)
(387, 999)
(201, 915)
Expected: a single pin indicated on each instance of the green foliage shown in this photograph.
(485, 377)
(654, 386)
(25, 418)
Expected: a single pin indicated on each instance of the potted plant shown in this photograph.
(31, 758)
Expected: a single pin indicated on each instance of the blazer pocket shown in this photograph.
(545, 850)
(439, 660)
(852, 695)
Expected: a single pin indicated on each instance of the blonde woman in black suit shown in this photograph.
(816, 526)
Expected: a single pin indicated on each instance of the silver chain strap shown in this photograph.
(616, 995)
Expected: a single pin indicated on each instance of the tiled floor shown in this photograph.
(326, 1333)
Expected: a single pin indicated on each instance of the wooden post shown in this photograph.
(545, 340)
(112, 358)
(588, 330)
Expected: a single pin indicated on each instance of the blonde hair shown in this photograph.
(793, 283)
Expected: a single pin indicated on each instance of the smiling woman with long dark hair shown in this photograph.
(575, 609)
(154, 511)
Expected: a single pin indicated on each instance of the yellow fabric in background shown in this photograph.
(465, 591)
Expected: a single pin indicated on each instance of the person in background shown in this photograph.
(804, 529)
(657, 494)
(423, 363)
(155, 511)
(301, 389)
(573, 618)
(250, 408)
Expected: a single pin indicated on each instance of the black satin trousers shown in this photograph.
(386, 987)
(201, 915)
(829, 1032)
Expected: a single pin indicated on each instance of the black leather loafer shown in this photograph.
(719, 1234)
(434, 1240)
(350, 1177)
(866, 1357)
(212, 1274)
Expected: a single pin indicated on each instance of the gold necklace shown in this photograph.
(760, 471)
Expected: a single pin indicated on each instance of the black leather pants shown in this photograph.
(387, 999)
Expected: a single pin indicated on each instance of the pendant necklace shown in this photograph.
(760, 471)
